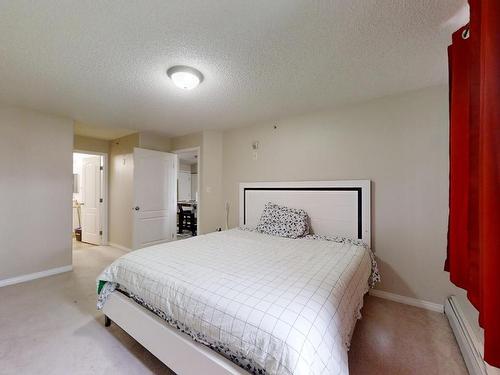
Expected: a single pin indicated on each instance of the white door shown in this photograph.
(91, 194)
(155, 193)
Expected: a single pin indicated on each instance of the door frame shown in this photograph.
(104, 192)
(198, 151)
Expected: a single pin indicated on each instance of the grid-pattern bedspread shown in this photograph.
(272, 305)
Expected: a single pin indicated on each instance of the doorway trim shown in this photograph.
(198, 207)
(104, 192)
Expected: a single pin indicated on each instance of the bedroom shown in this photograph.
(341, 109)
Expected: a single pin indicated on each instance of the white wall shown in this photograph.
(398, 142)
(36, 186)
(194, 186)
(187, 181)
(183, 185)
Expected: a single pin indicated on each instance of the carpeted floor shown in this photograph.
(51, 326)
(397, 339)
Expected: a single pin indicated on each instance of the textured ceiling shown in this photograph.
(104, 62)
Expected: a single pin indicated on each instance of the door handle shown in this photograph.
(136, 208)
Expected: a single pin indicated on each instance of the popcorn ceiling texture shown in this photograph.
(104, 63)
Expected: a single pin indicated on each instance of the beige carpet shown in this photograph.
(51, 326)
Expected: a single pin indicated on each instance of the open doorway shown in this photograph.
(89, 200)
(188, 196)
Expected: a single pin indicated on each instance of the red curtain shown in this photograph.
(474, 223)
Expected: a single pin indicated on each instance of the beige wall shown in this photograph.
(186, 141)
(153, 141)
(210, 210)
(36, 188)
(81, 143)
(211, 206)
(400, 143)
(121, 196)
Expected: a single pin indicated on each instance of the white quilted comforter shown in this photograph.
(270, 304)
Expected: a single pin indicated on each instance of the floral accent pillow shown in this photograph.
(283, 221)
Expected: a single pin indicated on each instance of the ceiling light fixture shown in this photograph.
(185, 77)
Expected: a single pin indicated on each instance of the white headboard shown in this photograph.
(334, 207)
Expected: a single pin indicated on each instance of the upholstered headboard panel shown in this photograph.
(334, 207)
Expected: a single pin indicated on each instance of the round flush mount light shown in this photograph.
(185, 77)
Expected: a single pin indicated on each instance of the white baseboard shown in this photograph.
(36, 275)
(470, 346)
(408, 300)
(119, 246)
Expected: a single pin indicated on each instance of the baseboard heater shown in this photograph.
(467, 341)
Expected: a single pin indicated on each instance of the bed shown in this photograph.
(240, 301)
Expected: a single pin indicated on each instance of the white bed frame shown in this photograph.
(334, 208)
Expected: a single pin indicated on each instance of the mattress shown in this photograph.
(270, 304)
